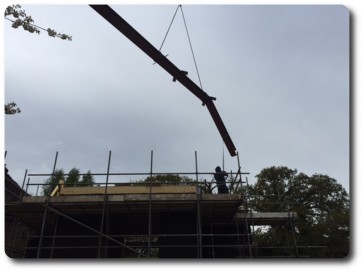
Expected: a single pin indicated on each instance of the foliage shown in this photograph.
(87, 180)
(167, 179)
(11, 108)
(21, 19)
(27, 22)
(269, 189)
(234, 184)
(172, 179)
(52, 182)
(72, 180)
(322, 207)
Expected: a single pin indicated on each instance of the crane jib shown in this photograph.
(120, 24)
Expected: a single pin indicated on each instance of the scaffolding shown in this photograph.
(141, 220)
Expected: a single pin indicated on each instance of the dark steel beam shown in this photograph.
(120, 24)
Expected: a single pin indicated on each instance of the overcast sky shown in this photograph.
(280, 75)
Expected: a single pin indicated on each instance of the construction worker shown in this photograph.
(220, 177)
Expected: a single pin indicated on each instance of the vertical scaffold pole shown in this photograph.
(151, 163)
(199, 223)
(46, 212)
(196, 165)
(55, 162)
(292, 226)
(27, 185)
(247, 226)
(239, 167)
(238, 239)
(150, 210)
(105, 199)
(22, 187)
(212, 235)
(108, 169)
(54, 235)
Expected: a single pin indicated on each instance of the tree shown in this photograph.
(270, 187)
(87, 180)
(73, 178)
(52, 182)
(322, 207)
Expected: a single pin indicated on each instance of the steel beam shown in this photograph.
(120, 24)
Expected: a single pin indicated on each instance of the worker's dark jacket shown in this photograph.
(220, 178)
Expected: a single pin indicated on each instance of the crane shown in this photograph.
(126, 29)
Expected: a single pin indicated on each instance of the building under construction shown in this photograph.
(137, 220)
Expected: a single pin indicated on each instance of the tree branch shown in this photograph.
(21, 19)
